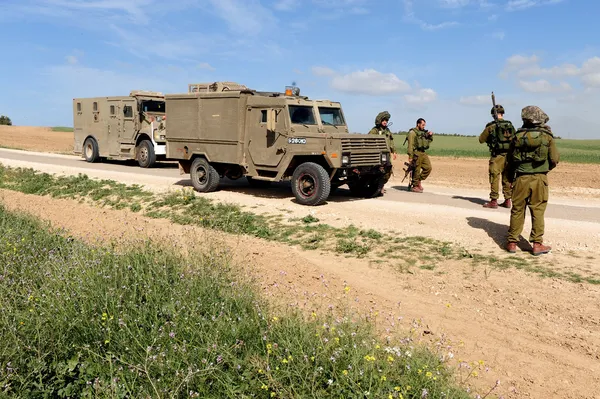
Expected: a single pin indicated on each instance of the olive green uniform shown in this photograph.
(379, 129)
(531, 156)
(498, 139)
(418, 142)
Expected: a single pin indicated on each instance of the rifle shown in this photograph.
(410, 168)
(492, 138)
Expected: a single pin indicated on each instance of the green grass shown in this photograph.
(186, 208)
(62, 129)
(83, 321)
(575, 151)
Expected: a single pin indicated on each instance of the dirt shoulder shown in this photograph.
(540, 337)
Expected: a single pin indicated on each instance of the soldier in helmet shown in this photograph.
(381, 127)
(498, 135)
(532, 154)
(419, 140)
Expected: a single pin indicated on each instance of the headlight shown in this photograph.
(384, 157)
(162, 136)
(345, 159)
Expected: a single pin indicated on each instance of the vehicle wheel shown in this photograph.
(205, 178)
(310, 184)
(258, 183)
(90, 150)
(366, 187)
(146, 156)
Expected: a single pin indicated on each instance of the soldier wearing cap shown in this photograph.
(532, 154)
(498, 135)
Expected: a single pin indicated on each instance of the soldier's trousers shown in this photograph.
(497, 172)
(528, 191)
(422, 168)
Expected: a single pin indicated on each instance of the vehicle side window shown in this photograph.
(302, 114)
(263, 116)
(78, 107)
(128, 111)
(112, 109)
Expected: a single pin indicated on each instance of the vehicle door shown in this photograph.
(114, 126)
(266, 143)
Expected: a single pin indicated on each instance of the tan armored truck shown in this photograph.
(224, 129)
(124, 127)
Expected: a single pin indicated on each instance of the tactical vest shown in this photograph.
(421, 140)
(499, 139)
(532, 145)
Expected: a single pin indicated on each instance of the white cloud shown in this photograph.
(369, 81)
(475, 100)
(243, 16)
(71, 59)
(421, 97)
(410, 16)
(322, 71)
(206, 65)
(454, 3)
(286, 5)
(515, 5)
(543, 86)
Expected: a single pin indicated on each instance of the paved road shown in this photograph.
(168, 173)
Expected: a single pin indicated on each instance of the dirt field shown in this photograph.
(36, 139)
(540, 337)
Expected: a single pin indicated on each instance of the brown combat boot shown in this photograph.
(511, 247)
(539, 248)
(506, 204)
(416, 189)
(493, 204)
(420, 186)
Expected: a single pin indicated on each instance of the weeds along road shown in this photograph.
(540, 336)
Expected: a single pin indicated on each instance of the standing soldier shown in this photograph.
(418, 141)
(498, 135)
(531, 156)
(381, 127)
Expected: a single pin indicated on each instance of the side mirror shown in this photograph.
(271, 120)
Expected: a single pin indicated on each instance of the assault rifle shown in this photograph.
(410, 168)
(492, 138)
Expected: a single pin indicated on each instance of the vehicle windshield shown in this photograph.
(302, 114)
(331, 116)
(153, 106)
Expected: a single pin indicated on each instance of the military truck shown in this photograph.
(225, 129)
(121, 127)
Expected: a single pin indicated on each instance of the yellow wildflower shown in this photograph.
(345, 372)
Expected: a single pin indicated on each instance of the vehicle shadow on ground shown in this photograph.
(474, 200)
(274, 191)
(496, 232)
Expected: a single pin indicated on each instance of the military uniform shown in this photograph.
(418, 142)
(381, 130)
(498, 135)
(531, 156)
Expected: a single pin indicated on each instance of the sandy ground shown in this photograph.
(36, 139)
(540, 337)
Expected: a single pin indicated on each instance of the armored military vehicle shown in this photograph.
(123, 127)
(225, 129)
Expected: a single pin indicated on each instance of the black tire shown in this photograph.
(146, 156)
(368, 187)
(258, 183)
(90, 150)
(311, 184)
(205, 177)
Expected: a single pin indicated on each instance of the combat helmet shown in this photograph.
(499, 109)
(382, 116)
(534, 115)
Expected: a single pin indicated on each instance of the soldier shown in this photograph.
(498, 135)
(418, 141)
(381, 127)
(531, 156)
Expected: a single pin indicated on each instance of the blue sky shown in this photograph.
(437, 59)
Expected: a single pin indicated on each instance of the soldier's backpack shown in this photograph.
(499, 140)
(531, 145)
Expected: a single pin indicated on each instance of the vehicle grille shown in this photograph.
(364, 151)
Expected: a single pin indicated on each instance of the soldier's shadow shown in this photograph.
(496, 232)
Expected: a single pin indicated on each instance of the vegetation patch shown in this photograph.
(187, 208)
(84, 321)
